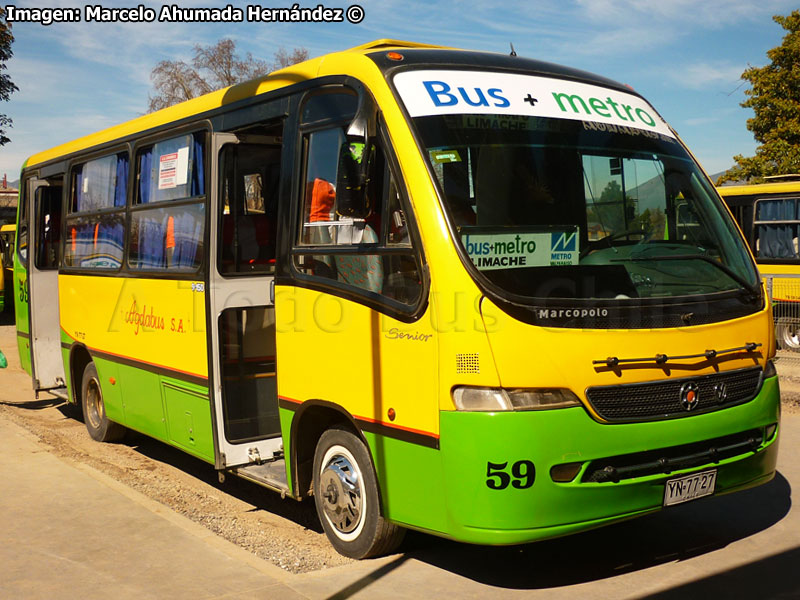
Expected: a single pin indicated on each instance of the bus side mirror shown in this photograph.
(355, 162)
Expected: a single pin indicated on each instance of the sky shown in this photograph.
(686, 57)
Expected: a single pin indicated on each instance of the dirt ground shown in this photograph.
(283, 532)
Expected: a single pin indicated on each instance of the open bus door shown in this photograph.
(242, 307)
(44, 200)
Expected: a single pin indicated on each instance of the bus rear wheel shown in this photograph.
(346, 497)
(94, 410)
(788, 335)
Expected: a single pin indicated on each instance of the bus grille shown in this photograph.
(656, 400)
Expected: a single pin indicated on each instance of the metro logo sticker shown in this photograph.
(426, 93)
(498, 250)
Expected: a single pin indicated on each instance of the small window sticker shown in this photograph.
(490, 250)
(173, 169)
(445, 156)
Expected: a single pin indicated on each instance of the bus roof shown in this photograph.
(375, 51)
(786, 187)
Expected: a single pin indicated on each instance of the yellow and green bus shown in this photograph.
(769, 214)
(7, 235)
(2, 276)
(475, 295)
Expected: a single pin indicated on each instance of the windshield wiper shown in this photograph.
(753, 289)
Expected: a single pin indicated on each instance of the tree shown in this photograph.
(775, 99)
(7, 87)
(609, 210)
(212, 67)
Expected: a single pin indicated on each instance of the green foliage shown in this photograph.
(775, 99)
(7, 87)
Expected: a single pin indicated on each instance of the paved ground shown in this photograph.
(69, 531)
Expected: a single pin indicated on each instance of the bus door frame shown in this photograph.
(225, 293)
(47, 365)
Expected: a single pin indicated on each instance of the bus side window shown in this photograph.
(95, 229)
(47, 204)
(168, 217)
(22, 226)
(354, 251)
(776, 228)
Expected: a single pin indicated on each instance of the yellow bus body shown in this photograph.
(391, 380)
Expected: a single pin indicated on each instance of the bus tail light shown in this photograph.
(477, 399)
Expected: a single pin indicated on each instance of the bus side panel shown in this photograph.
(142, 404)
(286, 416)
(382, 373)
(20, 293)
(188, 418)
(149, 336)
(65, 358)
(410, 478)
(108, 373)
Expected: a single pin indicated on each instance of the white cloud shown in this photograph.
(719, 75)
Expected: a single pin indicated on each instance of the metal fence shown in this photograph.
(784, 293)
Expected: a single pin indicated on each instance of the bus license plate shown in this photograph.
(691, 487)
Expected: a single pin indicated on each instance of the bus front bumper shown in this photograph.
(498, 486)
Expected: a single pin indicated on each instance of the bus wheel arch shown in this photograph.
(78, 359)
(312, 419)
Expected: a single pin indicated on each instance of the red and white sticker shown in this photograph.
(173, 169)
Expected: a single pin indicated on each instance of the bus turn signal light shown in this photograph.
(565, 473)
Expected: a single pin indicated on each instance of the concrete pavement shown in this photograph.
(69, 531)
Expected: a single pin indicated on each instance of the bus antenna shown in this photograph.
(513, 52)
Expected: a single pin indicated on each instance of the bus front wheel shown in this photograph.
(346, 497)
(94, 410)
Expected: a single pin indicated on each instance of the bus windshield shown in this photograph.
(552, 208)
(569, 208)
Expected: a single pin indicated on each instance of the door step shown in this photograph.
(59, 392)
(271, 475)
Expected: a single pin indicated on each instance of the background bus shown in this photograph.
(769, 216)
(392, 279)
(7, 234)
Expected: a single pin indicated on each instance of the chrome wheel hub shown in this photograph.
(340, 488)
(790, 335)
(94, 404)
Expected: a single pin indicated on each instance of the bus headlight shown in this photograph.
(479, 399)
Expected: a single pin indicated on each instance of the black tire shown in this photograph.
(94, 410)
(346, 497)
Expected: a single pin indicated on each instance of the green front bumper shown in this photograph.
(475, 445)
